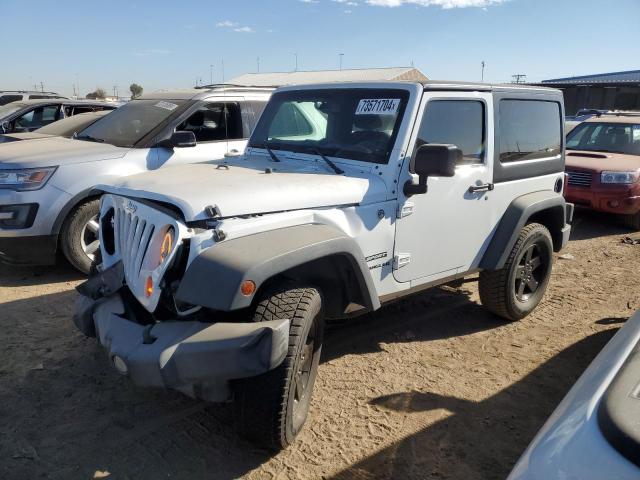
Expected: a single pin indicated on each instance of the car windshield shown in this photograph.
(357, 123)
(127, 125)
(68, 126)
(9, 109)
(606, 137)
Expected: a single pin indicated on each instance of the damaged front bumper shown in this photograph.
(196, 358)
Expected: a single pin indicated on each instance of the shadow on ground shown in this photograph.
(509, 421)
(588, 224)
(11, 276)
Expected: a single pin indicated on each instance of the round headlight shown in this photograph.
(167, 244)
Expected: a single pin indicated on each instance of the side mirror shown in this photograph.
(432, 160)
(5, 127)
(180, 140)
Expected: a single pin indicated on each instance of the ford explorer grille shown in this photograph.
(579, 179)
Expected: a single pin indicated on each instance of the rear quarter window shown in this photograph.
(529, 130)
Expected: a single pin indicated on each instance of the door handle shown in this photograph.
(485, 187)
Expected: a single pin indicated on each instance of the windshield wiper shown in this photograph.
(271, 154)
(333, 166)
(89, 138)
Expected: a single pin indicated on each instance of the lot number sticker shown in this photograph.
(378, 106)
(166, 105)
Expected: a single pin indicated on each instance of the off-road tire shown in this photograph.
(264, 405)
(72, 229)
(632, 221)
(499, 288)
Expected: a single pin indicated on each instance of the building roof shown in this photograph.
(630, 76)
(278, 79)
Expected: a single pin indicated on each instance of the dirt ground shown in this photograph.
(432, 387)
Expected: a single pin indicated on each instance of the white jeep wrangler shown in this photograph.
(216, 279)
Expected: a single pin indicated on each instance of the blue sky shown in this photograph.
(161, 44)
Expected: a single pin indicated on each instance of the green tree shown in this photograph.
(98, 94)
(136, 90)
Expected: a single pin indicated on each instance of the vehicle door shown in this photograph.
(37, 117)
(218, 129)
(443, 232)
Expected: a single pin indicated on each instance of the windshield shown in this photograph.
(605, 137)
(128, 124)
(10, 108)
(68, 126)
(357, 123)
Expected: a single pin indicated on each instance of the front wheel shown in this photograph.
(79, 236)
(516, 289)
(271, 409)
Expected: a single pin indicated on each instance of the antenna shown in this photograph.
(296, 55)
(482, 77)
(211, 74)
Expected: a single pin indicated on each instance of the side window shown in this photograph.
(456, 122)
(78, 110)
(4, 99)
(50, 114)
(529, 129)
(214, 121)
(289, 122)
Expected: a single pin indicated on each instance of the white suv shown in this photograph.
(47, 202)
(216, 279)
(8, 96)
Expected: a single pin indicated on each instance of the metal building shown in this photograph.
(610, 91)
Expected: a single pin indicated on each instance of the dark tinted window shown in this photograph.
(214, 121)
(529, 129)
(456, 122)
(4, 99)
(37, 118)
(128, 124)
(40, 97)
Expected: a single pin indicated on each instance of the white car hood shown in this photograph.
(242, 187)
(55, 151)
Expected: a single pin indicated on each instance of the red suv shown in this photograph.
(603, 165)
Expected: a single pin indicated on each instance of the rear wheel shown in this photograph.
(271, 409)
(516, 289)
(79, 236)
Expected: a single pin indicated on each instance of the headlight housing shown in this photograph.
(618, 177)
(26, 178)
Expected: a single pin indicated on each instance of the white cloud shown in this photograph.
(235, 26)
(446, 4)
(309, 1)
(226, 24)
(349, 3)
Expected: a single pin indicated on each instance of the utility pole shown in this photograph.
(482, 77)
(258, 62)
(41, 87)
(519, 78)
(211, 74)
(78, 85)
(341, 55)
(296, 55)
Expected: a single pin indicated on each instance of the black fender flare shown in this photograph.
(214, 277)
(518, 213)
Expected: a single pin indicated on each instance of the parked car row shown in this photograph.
(8, 96)
(29, 115)
(47, 203)
(222, 225)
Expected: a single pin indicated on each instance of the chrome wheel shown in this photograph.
(89, 239)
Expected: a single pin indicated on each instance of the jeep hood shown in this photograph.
(55, 151)
(243, 187)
